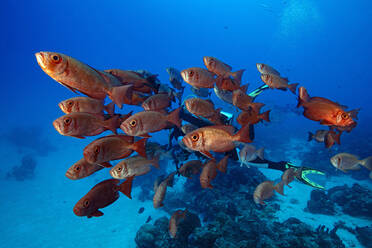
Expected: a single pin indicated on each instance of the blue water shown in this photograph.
(323, 45)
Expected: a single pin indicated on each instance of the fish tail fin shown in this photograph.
(244, 88)
(303, 96)
(126, 187)
(279, 187)
(367, 162)
(243, 135)
(121, 94)
(310, 136)
(265, 116)
(260, 153)
(256, 106)
(293, 87)
(110, 108)
(112, 123)
(238, 75)
(140, 147)
(174, 117)
(155, 161)
(222, 165)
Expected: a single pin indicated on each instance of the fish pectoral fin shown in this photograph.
(69, 87)
(97, 213)
(208, 154)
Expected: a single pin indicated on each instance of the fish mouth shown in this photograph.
(78, 211)
(125, 128)
(61, 106)
(57, 126)
(184, 75)
(40, 59)
(187, 142)
(70, 175)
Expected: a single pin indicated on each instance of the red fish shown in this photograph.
(221, 69)
(113, 147)
(198, 77)
(244, 101)
(84, 124)
(190, 168)
(157, 102)
(325, 111)
(87, 105)
(209, 172)
(142, 123)
(253, 116)
(82, 169)
(215, 138)
(265, 191)
(266, 69)
(229, 84)
(102, 195)
(161, 190)
(139, 82)
(203, 108)
(277, 82)
(174, 221)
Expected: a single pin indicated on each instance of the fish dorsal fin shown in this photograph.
(226, 128)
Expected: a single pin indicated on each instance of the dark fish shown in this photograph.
(175, 78)
(140, 211)
(148, 219)
(201, 92)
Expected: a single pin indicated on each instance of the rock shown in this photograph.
(319, 203)
(25, 171)
(146, 235)
(364, 235)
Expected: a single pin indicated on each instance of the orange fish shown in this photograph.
(215, 138)
(113, 147)
(221, 69)
(78, 76)
(277, 82)
(133, 166)
(142, 123)
(325, 111)
(198, 77)
(82, 169)
(203, 108)
(102, 195)
(139, 82)
(161, 190)
(289, 175)
(266, 69)
(157, 102)
(174, 221)
(230, 84)
(265, 191)
(84, 124)
(190, 168)
(244, 101)
(253, 116)
(87, 105)
(209, 172)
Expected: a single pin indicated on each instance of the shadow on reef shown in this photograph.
(231, 218)
(355, 201)
(24, 138)
(25, 171)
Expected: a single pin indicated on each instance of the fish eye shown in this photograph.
(118, 169)
(133, 123)
(69, 103)
(345, 116)
(96, 150)
(56, 58)
(67, 121)
(191, 73)
(86, 203)
(195, 137)
(77, 168)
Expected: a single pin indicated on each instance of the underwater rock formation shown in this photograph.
(364, 235)
(354, 201)
(25, 171)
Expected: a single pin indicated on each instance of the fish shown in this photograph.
(82, 169)
(102, 195)
(87, 105)
(224, 95)
(230, 84)
(216, 138)
(79, 125)
(190, 168)
(113, 147)
(142, 123)
(278, 82)
(203, 108)
(141, 210)
(133, 166)
(161, 189)
(244, 101)
(175, 78)
(325, 111)
(253, 116)
(163, 88)
(347, 161)
(222, 69)
(328, 137)
(266, 69)
(209, 172)
(148, 219)
(201, 92)
(157, 102)
(289, 175)
(139, 82)
(78, 76)
(174, 221)
(249, 153)
(198, 77)
(188, 128)
(265, 190)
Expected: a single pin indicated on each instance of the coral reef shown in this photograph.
(25, 171)
(354, 201)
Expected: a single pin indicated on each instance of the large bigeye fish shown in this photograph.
(78, 76)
